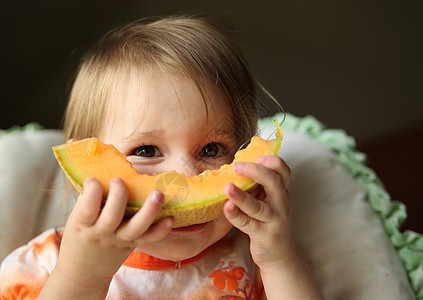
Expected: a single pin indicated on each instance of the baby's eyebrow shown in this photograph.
(221, 131)
(145, 134)
(223, 128)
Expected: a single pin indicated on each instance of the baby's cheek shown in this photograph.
(143, 168)
(221, 227)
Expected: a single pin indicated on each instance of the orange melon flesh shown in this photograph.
(190, 200)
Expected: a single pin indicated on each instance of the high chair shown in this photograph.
(342, 217)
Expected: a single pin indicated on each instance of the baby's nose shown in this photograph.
(188, 166)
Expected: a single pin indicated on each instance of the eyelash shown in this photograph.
(134, 152)
(223, 150)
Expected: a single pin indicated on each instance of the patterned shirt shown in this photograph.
(223, 271)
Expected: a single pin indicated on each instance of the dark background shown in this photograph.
(355, 65)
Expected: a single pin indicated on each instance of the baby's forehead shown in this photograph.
(221, 127)
(154, 97)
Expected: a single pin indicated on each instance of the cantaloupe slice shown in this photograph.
(190, 200)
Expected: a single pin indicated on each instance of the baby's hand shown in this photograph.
(97, 241)
(265, 218)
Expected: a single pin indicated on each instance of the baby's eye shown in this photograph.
(212, 150)
(147, 151)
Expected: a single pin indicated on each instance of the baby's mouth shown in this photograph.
(190, 228)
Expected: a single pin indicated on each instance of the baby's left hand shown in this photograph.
(266, 219)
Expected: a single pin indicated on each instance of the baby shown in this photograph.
(173, 94)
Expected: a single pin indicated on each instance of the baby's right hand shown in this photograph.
(97, 241)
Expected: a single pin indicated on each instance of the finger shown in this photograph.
(114, 208)
(240, 220)
(156, 232)
(249, 205)
(258, 192)
(276, 164)
(143, 219)
(88, 206)
(271, 181)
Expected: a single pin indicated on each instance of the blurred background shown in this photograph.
(355, 65)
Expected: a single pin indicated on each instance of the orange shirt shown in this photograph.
(224, 271)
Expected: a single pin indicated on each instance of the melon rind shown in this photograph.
(203, 208)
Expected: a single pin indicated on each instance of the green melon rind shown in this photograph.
(204, 211)
(74, 177)
(77, 178)
(77, 181)
(246, 186)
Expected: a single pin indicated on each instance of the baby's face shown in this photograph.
(163, 125)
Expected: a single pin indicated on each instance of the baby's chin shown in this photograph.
(176, 255)
(177, 250)
(187, 242)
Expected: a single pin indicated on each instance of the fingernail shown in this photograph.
(232, 208)
(87, 181)
(233, 189)
(239, 166)
(116, 179)
(157, 196)
(169, 223)
(261, 160)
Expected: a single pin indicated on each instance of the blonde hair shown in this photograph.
(194, 47)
